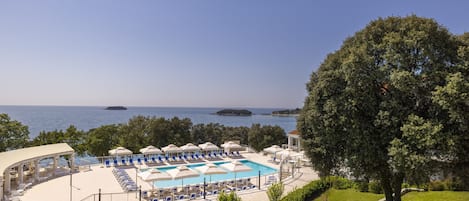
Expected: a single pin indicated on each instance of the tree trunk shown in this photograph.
(397, 186)
(386, 183)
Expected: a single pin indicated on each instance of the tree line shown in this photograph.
(139, 132)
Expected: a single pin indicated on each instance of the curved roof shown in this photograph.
(17, 156)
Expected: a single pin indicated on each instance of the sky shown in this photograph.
(174, 53)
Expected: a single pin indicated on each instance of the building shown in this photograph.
(294, 140)
(21, 168)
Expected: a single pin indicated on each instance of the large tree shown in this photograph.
(13, 134)
(370, 111)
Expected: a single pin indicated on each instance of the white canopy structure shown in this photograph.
(285, 153)
(120, 151)
(150, 150)
(273, 149)
(189, 147)
(154, 175)
(171, 149)
(236, 166)
(182, 172)
(232, 146)
(208, 146)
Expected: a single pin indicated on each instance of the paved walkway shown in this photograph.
(89, 182)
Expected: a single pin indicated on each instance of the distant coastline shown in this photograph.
(116, 108)
(233, 112)
(287, 113)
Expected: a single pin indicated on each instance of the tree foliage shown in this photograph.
(260, 137)
(370, 107)
(102, 139)
(72, 136)
(13, 134)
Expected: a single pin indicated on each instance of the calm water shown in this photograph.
(48, 118)
(256, 167)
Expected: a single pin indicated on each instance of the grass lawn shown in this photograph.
(354, 195)
(348, 195)
(436, 196)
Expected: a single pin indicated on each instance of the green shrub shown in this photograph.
(309, 191)
(362, 186)
(437, 186)
(341, 183)
(228, 197)
(405, 185)
(375, 187)
(275, 191)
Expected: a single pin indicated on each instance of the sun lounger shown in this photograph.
(107, 163)
(192, 196)
(115, 163)
(139, 161)
(181, 197)
(145, 160)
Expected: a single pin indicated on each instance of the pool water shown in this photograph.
(256, 167)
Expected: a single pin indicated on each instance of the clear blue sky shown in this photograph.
(201, 53)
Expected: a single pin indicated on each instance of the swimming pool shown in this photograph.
(256, 167)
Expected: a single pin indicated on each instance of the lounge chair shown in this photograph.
(181, 197)
(168, 198)
(139, 161)
(145, 160)
(192, 196)
(115, 163)
(131, 161)
(154, 160)
(108, 163)
(123, 162)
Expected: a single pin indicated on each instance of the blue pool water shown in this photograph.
(256, 167)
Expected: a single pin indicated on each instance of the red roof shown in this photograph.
(294, 132)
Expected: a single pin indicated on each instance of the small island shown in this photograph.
(116, 108)
(233, 112)
(293, 112)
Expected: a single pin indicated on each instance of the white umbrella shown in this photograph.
(189, 147)
(171, 149)
(150, 150)
(236, 166)
(230, 146)
(154, 175)
(273, 149)
(208, 146)
(120, 151)
(182, 172)
(210, 169)
(284, 154)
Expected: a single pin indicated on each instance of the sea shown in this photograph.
(49, 118)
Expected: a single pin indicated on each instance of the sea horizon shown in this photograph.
(49, 118)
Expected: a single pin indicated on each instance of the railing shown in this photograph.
(124, 196)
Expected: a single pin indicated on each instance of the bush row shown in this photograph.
(308, 192)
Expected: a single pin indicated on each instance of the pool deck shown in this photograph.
(86, 183)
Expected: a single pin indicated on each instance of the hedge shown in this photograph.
(309, 191)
